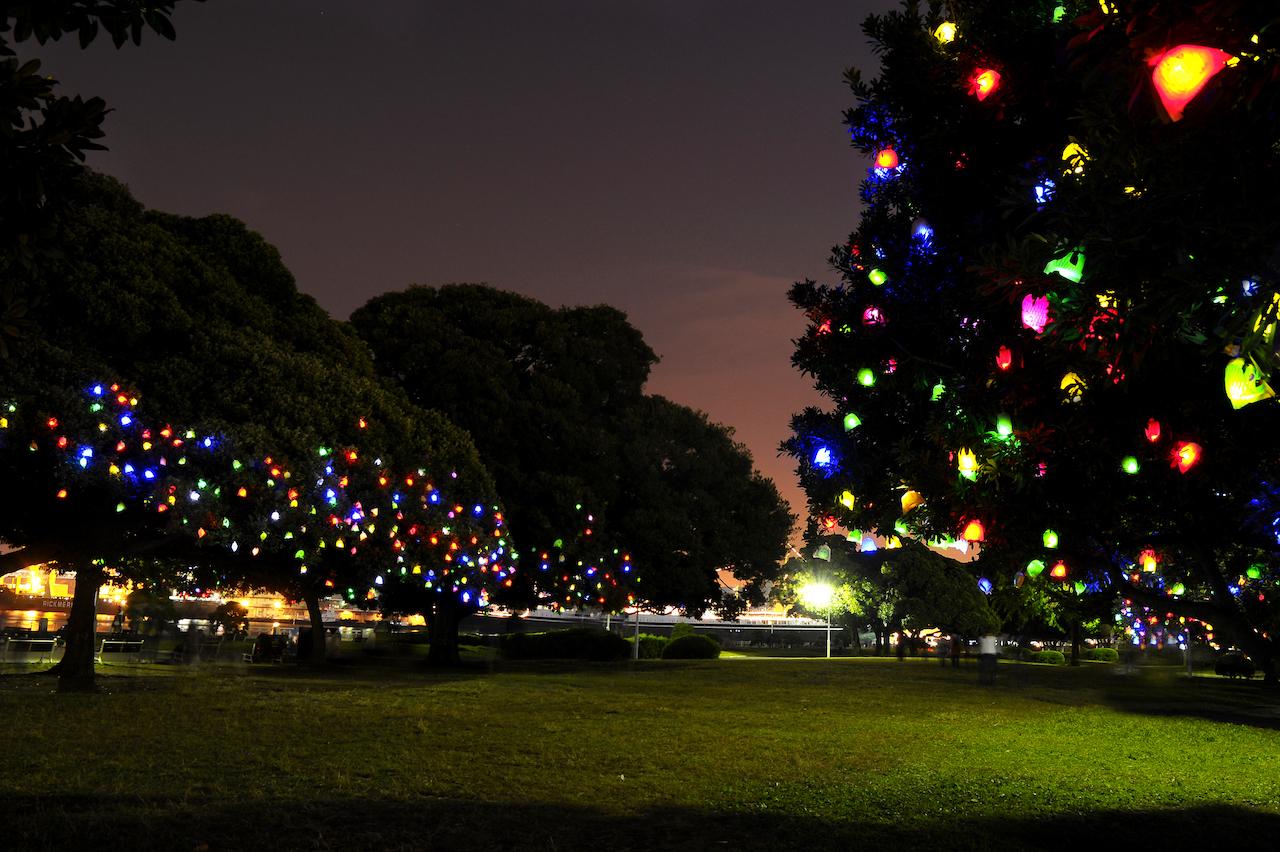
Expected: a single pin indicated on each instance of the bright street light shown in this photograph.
(819, 596)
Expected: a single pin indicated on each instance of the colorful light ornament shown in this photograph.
(1073, 387)
(877, 277)
(921, 229)
(1245, 384)
(1075, 157)
(1059, 571)
(1070, 267)
(983, 82)
(1148, 561)
(822, 458)
(1186, 455)
(1050, 539)
(946, 32)
(985, 586)
(847, 499)
(1182, 72)
(938, 390)
(1035, 312)
(910, 500)
(1004, 427)
(1004, 358)
(1019, 579)
(851, 422)
(872, 316)
(866, 377)
(967, 464)
(1034, 567)
(974, 531)
(1254, 572)
(1130, 464)
(886, 158)
(1153, 430)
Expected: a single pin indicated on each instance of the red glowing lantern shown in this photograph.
(887, 159)
(1153, 430)
(1186, 455)
(1035, 312)
(1004, 358)
(983, 82)
(872, 316)
(974, 531)
(1182, 72)
(1059, 571)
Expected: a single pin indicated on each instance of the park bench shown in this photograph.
(20, 649)
(131, 649)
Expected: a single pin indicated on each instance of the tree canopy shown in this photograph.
(1059, 305)
(598, 478)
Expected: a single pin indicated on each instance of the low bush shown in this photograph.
(576, 643)
(651, 647)
(1053, 658)
(681, 629)
(691, 648)
(1101, 655)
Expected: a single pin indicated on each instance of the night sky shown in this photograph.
(683, 160)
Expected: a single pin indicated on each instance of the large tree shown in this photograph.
(203, 315)
(615, 497)
(1057, 262)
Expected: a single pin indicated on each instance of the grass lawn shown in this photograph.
(768, 754)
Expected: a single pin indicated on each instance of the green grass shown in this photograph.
(726, 754)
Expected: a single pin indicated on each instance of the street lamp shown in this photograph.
(819, 595)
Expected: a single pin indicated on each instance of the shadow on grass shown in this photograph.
(185, 825)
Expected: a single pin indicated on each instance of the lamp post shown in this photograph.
(820, 595)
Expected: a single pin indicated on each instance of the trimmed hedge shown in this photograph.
(651, 647)
(576, 643)
(1054, 658)
(691, 648)
(1101, 655)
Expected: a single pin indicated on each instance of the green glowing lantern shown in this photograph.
(1050, 539)
(1245, 384)
(851, 420)
(1179, 589)
(1070, 267)
(1004, 426)
(1034, 568)
(1254, 572)
(877, 277)
(1080, 587)
(866, 378)
(1130, 464)
(938, 390)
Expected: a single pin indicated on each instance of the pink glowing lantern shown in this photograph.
(1035, 312)
(872, 316)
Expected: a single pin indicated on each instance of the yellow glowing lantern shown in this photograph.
(967, 463)
(847, 500)
(1148, 560)
(1245, 384)
(910, 500)
(974, 531)
(946, 32)
(1075, 156)
(1182, 72)
(1073, 386)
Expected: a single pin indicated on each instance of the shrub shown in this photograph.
(679, 630)
(1053, 658)
(651, 647)
(691, 648)
(1101, 655)
(576, 643)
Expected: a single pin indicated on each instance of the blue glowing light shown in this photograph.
(97, 390)
(195, 496)
(479, 510)
(985, 585)
(1044, 192)
(125, 420)
(149, 474)
(435, 498)
(822, 458)
(1250, 287)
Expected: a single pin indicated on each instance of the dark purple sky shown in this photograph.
(683, 160)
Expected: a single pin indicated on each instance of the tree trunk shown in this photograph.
(75, 671)
(1075, 642)
(444, 634)
(317, 655)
